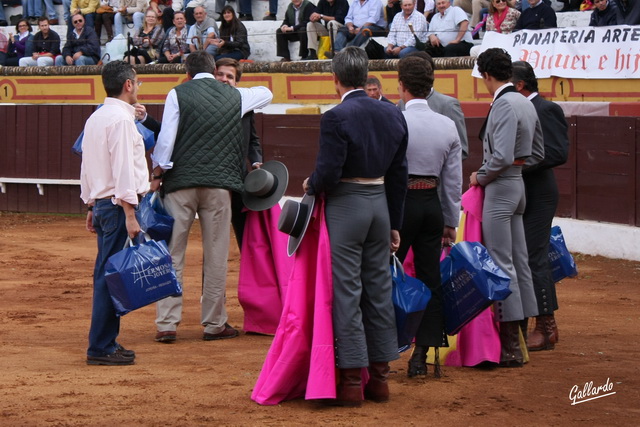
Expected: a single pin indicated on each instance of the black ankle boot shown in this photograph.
(418, 362)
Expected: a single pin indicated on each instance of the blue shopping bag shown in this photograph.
(471, 282)
(141, 275)
(562, 263)
(410, 298)
(153, 218)
(147, 136)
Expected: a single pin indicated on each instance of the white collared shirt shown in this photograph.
(347, 93)
(252, 99)
(113, 155)
(500, 89)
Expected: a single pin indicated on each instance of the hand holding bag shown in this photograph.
(140, 275)
(154, 219)
(471, 282)
(562, 263)
(410, 298)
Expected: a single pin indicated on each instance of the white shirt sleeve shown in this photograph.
(253, 98)
(166, 140)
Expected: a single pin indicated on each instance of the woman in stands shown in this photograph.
(20, 44)
(175, 43)
(233, 42)
(502, 16)
(147, 41)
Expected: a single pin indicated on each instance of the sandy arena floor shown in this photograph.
(45, 287)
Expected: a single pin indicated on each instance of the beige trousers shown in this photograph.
(213, 206)
(315, 30)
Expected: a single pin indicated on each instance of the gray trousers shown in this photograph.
(503, 236)
(363, 317)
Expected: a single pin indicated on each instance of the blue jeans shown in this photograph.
(404, 52)
(245, 7)
(83, 60)
(109, 222)
(66, 6)
(120, 20)
(50, 9)
(345, 38)
(2, 15)
(31, 8)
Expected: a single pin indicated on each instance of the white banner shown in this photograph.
(574, 52)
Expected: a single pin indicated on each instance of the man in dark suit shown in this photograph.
(373, 87)
(542, 200)
(362, 170)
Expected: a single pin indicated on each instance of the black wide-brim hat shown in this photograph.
(294, 219)
(264, 187)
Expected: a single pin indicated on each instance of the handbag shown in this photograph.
(410, 298)
(104, 9)
(324, 46)
(140, 275)
(471, 282)
(154, 219)
(561, 260)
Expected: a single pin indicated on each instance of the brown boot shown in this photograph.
(377, 389)
(543, 336)
(510, 352)
(349, 390)
(554, 338)
(418, 363)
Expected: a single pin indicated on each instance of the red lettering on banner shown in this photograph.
(603, 59)
(544, 61)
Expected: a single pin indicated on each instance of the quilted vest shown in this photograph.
(208, 151)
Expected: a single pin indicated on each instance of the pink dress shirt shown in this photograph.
(113, 156)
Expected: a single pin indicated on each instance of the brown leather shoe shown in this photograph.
(543, 336)
(53, 22)
(377, 389)
(227, 333)
(166, 337)
(349, 390)
(510, 352)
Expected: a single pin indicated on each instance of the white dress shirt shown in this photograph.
(447, 25)
(113, 155)
(252, 99)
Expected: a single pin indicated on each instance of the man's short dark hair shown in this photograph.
(230, 62)
(424, 55)
(497, 63)
(351, 66)
(523, 72)
(114, 76)
(200, 62)
(373, 81)
(416, 76)
(43, 18)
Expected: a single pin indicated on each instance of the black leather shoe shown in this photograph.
(114, 359)
(126, 353)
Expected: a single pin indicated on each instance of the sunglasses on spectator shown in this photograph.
(23, 25)
(78, 21)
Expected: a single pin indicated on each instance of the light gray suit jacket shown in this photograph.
(449, 107)
(434, 150)
(512, 131)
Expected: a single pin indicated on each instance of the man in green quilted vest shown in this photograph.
(198, 161)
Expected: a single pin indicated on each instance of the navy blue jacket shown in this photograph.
(530, 19)
(87, 43)
(610, 16)
(364, 138)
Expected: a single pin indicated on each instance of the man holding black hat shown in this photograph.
(362, 170)
(198, 159)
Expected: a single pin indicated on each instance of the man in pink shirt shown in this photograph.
(113, 176)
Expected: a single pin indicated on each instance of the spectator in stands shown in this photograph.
(46, 46)
(294, 28)
(4, 47)
(146, 41)
(329, 16)
(539, 15)
(373, 87)
(449, 33)
(203, 32)
(392, 8)
(127, 13)
(233, 41)
(19, 44)
(365, 19)
(82, 46)
(474, 8)
(175, 44)
(164, 9)
(606, 12)
(3, 20)
(51, 13)
(86, 8)
(502, 16)
(401, 40)
(189, 10)
(105, 15)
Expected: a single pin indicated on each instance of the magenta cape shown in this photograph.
(301, 360)
(264, 271)
(479, 340)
